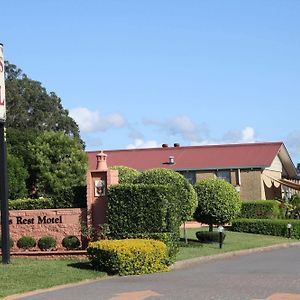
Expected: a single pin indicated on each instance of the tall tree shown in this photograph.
(18, 142)
(17, 176)
(59, 162)
(29, 105)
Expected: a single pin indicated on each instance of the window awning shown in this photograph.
(285, 182)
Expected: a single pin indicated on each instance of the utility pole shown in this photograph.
(3, 168)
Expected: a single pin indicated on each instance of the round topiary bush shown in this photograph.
(126, 174)
(11, 243)
(184, 195)
(218, 202)
(26, 242)
(46, 243)
(71, 242)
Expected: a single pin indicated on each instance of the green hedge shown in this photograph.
(69, 197)
(209, 236)
(25, 203)
(184, 197)
(128, 257)
(267, 227)
(260, 209)
(140, 208)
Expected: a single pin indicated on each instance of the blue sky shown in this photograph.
(138, 73)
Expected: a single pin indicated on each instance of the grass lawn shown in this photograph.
(233, 241)
(28, 274)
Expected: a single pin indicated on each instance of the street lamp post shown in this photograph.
(289, 228)
(221, 232)
(3, 168)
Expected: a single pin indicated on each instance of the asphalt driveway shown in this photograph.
(272, 275)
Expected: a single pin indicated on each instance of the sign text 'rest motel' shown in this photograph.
(36, 220)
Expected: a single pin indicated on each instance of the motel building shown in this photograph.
(256, 170)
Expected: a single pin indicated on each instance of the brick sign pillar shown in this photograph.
(98, 181)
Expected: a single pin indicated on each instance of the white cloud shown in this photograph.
(92, 121)
(246, 135)
(139, 143)
(181, 126)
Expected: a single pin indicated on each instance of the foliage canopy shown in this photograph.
(218, 201)
(126, 174)
(59, 162)
(29, 105)
(43, 142)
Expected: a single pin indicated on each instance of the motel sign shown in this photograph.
(2, 87)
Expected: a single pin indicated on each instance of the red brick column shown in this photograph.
(98, 181)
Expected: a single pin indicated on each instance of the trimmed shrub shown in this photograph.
(74, 196)
(170, 239)
(126, 175)
(11, 243)
(260, 209)
(140, 208)
(27, 203)
(218, 202)
(46, 242)
(26, 242)
(267, 227)
(71, 242)
(183, 193)
(128, 257)
(209, 236)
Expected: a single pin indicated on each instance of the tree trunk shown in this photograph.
(211, 227)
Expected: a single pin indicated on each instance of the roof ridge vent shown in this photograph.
(171, 160)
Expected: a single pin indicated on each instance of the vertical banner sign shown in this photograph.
(3, 169)
(2, 87)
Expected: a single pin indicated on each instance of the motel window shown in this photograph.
(225, 175)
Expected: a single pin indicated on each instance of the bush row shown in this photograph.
(267, 227)
(128, 256)
(69, 242)
(69, 197)
(209, 236)
(27, 203)
(260, 209)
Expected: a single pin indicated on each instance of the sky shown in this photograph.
(140, 73)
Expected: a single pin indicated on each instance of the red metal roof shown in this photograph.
(193, 157)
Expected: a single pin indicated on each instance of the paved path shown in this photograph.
(272, 275)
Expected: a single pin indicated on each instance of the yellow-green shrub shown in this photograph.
(128, 256)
